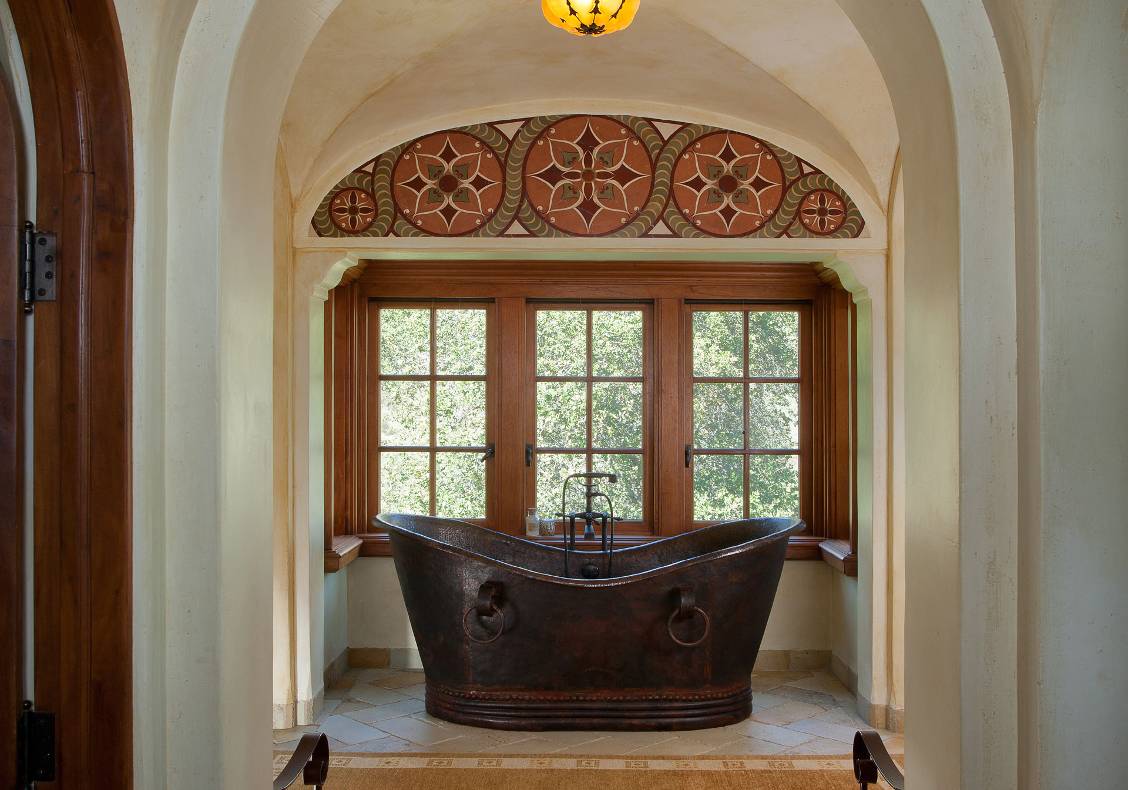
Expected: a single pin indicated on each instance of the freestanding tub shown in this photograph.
(666, 643)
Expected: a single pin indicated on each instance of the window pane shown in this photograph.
(551, 471)
(616, 419)
(405, 413)
(627, 492)
(773, 485)
(718, 343)
(460, 413)
(718, 421)
(561, 343)
(460, 485)
(718, 487)
(773, 416)
(773, 344)
(460, 340)
(404, 479)
(405, 342)
(561, 414)
(616, 343)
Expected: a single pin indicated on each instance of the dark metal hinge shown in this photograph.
(39, 257)
(36, 746)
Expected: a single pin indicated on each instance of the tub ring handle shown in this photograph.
(687, 607)
(487, 605)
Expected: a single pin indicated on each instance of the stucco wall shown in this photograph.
(842, 615)
(800, 619)
(336, 615)
(1082, 622)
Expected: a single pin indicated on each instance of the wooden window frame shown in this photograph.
(374, 447)
(627, 530)
(671, 290)
(805, 450)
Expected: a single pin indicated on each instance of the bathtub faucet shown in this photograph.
(590, 483)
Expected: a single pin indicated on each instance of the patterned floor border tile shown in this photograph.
(557, 763)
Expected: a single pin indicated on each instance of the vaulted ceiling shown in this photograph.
(795, 72)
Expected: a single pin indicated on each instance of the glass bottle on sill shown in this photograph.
(532, 523)
(547, 527)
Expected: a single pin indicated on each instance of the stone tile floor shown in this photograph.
(382, 711)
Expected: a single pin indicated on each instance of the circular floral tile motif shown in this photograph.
(822, 212)
(587, 175)
(728, 184)
(352, 210)
(448, 184)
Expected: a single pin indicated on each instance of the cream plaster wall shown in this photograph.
(336, 616)
(377, 615)
(800, 619)
(843, 618)
(310, 524)
(895, 504)
(169, 623)
(284, 603)
(1082, 619)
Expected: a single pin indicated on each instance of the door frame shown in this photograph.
(82, 412)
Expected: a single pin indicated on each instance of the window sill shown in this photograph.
(838, 555)
(800, 547)
(344, 550)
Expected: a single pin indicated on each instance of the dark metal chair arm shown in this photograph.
(872, 759)
(310, 761)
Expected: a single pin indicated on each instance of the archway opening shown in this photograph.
(938, 229)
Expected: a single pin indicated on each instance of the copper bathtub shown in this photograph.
(666, 642)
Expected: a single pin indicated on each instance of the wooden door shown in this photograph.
(81, 365)
(11, 441)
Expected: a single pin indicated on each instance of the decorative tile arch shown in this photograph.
(588, 175)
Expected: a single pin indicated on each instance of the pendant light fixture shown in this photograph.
(590, 17)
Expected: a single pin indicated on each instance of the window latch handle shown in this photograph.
(528, 455)
(490, 452)
(688, 456)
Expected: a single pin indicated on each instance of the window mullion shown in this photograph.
(433, 461)
(590, 372)
(747, 461)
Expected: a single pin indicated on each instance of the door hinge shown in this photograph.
(36, 746)
(39, 257)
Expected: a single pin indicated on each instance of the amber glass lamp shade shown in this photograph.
(590, 17)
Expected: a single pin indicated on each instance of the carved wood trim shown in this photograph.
(839, 555)
(343, 550)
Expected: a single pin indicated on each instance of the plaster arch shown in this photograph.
(961, 415)
(354, 143)
(238, 62)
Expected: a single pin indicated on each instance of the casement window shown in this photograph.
(431, 401)
(712, 391)
(589, 403)
(750, 411)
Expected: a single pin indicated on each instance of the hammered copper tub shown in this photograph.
(666, 643)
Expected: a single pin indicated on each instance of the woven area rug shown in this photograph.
(468, 772)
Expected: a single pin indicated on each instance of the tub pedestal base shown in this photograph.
(591, 710)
